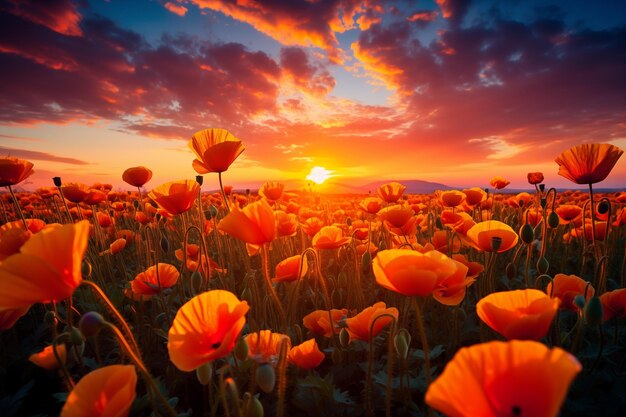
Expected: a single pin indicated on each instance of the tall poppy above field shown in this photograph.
(588, 163)
(484, 235)
(515, 378)
(205, 328)
(137, 176)
(175, 197)
(215, 150)
(47, 268)
(254, 224)
(367, 324)
(14, 170)
(150, 282)
(107, 391)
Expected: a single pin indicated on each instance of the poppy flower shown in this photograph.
(515, 378)
(391, 192)
(601, 230)
(117, 246)
(306, 355)
(264, 345)
(451, 198)
(518, 314)
(254, 224)
(12, 239)
(47, 268)
(291, 269)
(451, 290)
(286, 223)
(360, 326)
(371, 205)
(566, 287)
(318, 321)
(176, 197)
(535, 178)
(14, 170)
(329, 237)
(215, 150)
(413, 273)
(75, 192)
(94, 197)
(10, 316)
(107, 391)
(568, 212)
(47, 360)
(137, 176)
(474, 196)
(205, 328)
(483, 235)
(613, 304)
(396, 216)
(499, 183)
(588, 163)
(147, 284)
(272, 190)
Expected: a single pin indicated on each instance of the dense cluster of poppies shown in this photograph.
(280, 295)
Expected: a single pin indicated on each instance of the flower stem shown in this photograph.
(18, 208)
(424, 343)
(219, 177)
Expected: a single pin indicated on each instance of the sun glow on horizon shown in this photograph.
(319, 174)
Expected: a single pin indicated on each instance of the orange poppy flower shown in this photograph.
(474, 268)
(522, 199)
(601, 229)
(107, 391)
(147, 284)
(360, 326)
(391, 192)
(94, 197)
(566, 287)
(413, 273)
(117, 246)
(286, 223)
(535, 178)
(483, 235)
(451, 198)
(47, 268)
(613, 304)
(215, 149)
(499, 183)
(46, 358)
(318, 322)
(451, 290)
(12, 239)
(205, 328)
(264, 345)
(75, 192)
(568, 212)
(518, 314)
(272, 190)
(175, 197)
(329, 237)
(10, 316)
(474, 196)
(254, 224)
(137, 176)
(371, 205)
(14, 170)
(515, 378)
(306, 355)
(289, 269)
(588, 163)
(396, 216)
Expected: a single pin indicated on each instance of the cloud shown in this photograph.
(307, 77)
(178, 9)
(58, 15)
(39, 156)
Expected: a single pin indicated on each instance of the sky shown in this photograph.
(450, 91)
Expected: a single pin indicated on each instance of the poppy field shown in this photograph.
(173, 300)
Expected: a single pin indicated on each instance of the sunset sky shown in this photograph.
(450, 91)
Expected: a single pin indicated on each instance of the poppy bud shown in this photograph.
(241, 350)
(603, 207)
(212, 211)
(136, 204)
(542, 265)
(401, 342)
(165, 244)
(252, 405)
(266, 377)
(542, 187)
(204, 373)
(196, 282)
(527, 233)
(85, 269)
(579, 301)
(438, 223)
(199, 179)
(57, 181)
(349, 221)
(553, 220)
(543, 202)
(511, 271)
(344, 337)
(91, 323)
(366, 262)
(76, 337)
(50, 318)
(593, 311)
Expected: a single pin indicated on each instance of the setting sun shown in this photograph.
(319, 174)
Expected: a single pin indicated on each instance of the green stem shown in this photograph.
(424, 342)
(18, 208)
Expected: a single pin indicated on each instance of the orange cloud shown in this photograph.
(178, 9)
(60, 16)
